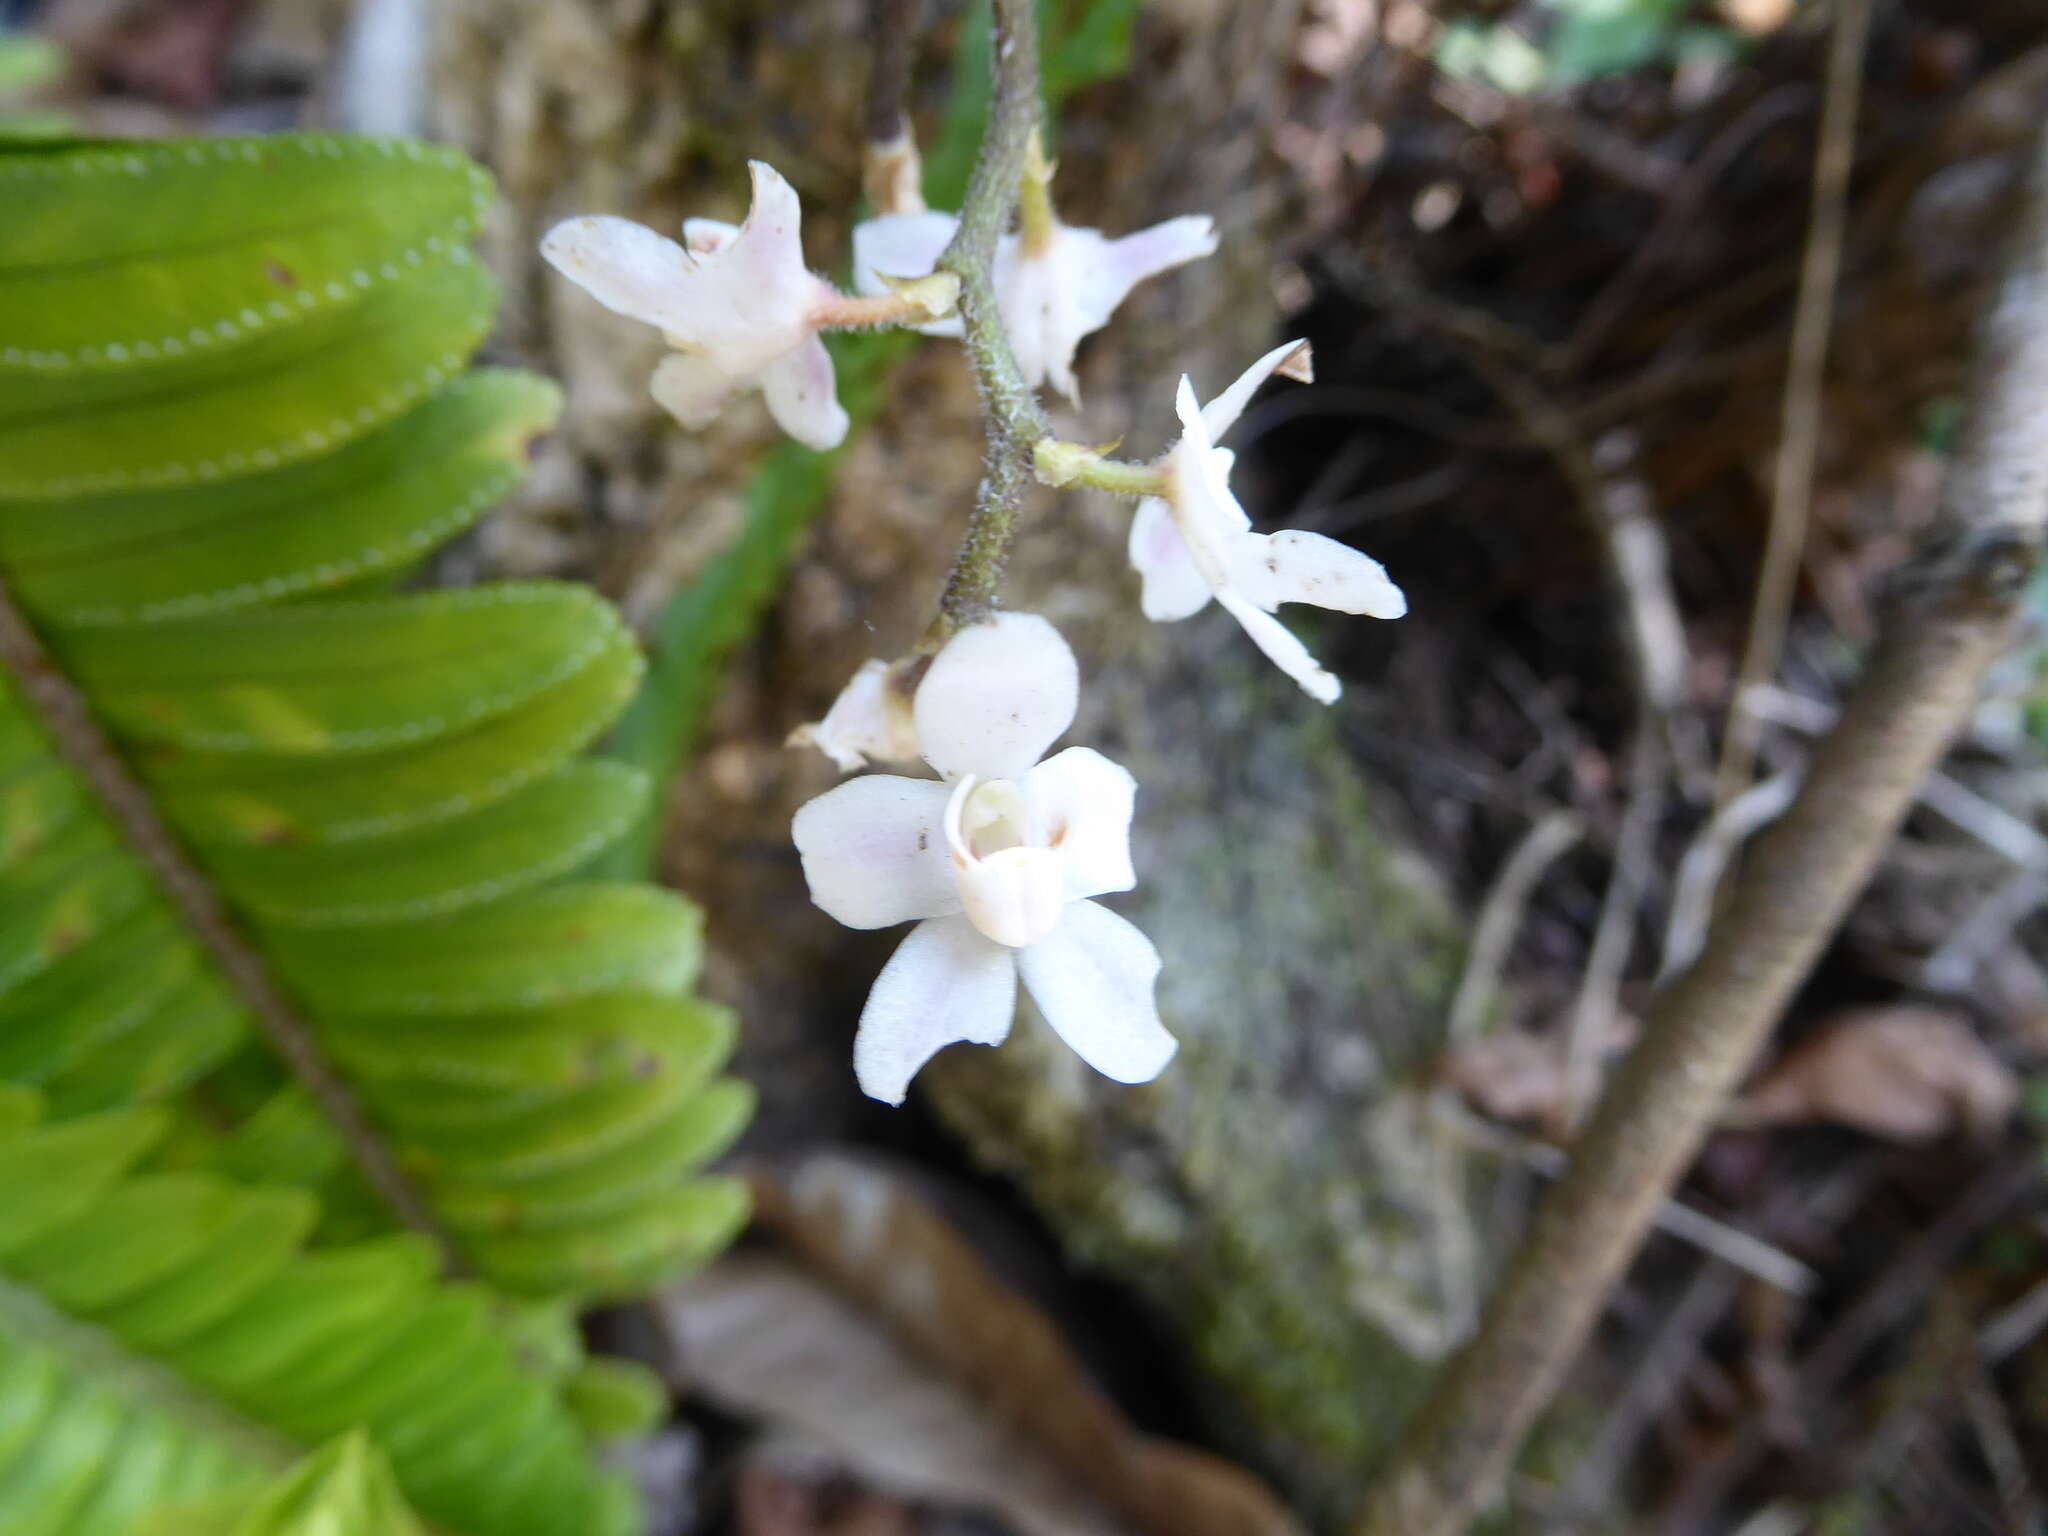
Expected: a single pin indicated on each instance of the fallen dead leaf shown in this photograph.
(1758, 18)
(773, 1501)
(1907, 1074)
(882, 1336)
(1515, 1075)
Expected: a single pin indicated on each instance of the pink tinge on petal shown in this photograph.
(874, 851)
(770, 243)
(1171, 584)
(1081, 806)
(1283, 649)
(750, 299)
(1093, 979)
(945, 983)
(691, 389)
(707, 237)
(996, 697)
(1295, 566)
(1117, 266)
(1290, 358)
(803, 396)
(626, 267)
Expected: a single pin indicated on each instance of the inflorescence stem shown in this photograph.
(1015, 421)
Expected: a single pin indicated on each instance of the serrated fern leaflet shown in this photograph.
(233, 415)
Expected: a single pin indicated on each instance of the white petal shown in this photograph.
(1035, 297)
(1220, 414)
(996, 697)
(1093, 981)
(707, 237)
(1282, 648)
(692, 389)
(1081, 805)
(626, 267)
(749, 298)
(769, 244)
(1117, 266)
(1294, 566)
(1194, 426)
(902, 245)
(1172, 585)
(944, 983)
(874, 851)
(803, 396)
(869, 720)
(898, 245)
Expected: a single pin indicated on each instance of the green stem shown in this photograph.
(1061, 463)
(1014, 420)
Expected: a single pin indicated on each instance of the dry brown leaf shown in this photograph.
(896, 1346)
(1513, 1074)
(1759, 18)
(1907, 1074)
(771, 1501)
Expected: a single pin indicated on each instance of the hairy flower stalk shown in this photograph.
(1015, 421)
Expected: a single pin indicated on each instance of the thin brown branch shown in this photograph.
(1554, 835)
(892, 32)
(1010, 411)
(74, 730)
(892, 176)
(1799, 441)
(1950, 619)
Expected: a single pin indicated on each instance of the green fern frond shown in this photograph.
(233, 406)
(128, 1291)
(345, 1489)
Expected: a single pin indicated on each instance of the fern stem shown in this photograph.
(1013, 418)
(68, 718)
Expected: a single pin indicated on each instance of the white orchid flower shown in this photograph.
(870, 720)
(1195, 542)
(737, 304)
(1051, 292)
(996, 864)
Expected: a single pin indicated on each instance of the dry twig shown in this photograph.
(1554, 835)
(1952, 617)
(1792, 484)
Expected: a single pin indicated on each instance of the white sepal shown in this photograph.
(945, 983)
(874, 851)
(1171, 585)
(1093, 979)
(996, 697)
